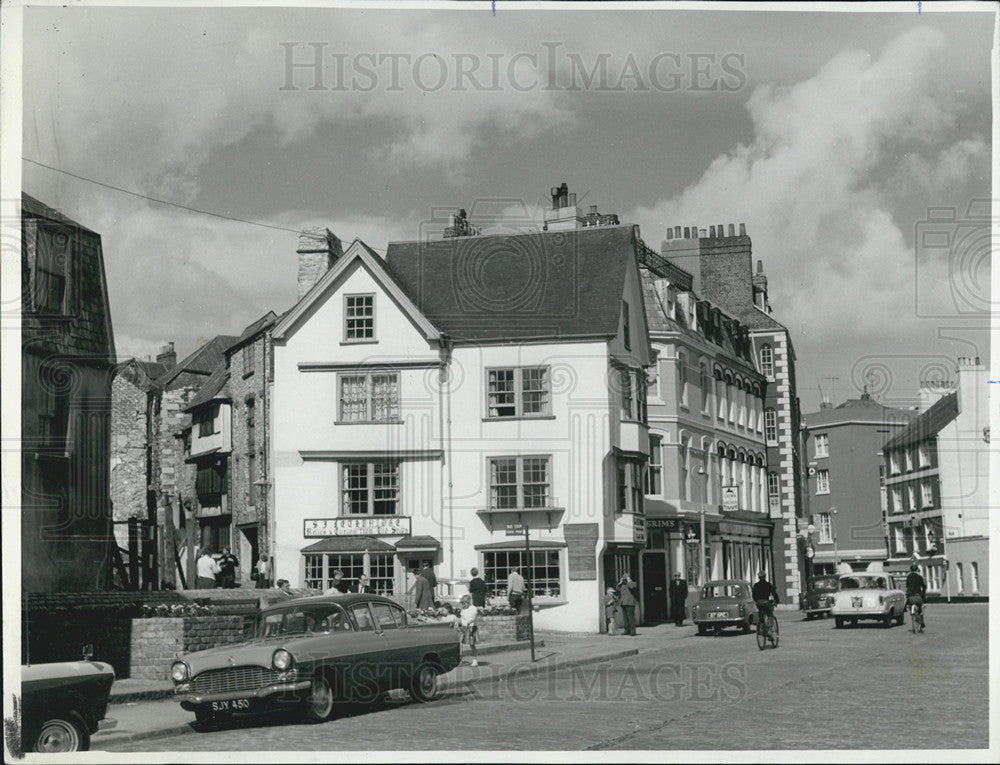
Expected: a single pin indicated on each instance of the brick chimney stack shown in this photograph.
(167, 356)
(760, 288)
(318, 250)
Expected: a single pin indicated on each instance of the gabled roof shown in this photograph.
(357, 252)
(265, 321)
(858, 409)
(215, 389)
(140, 373)
(518, 286)
(928, 424)
(203, 361)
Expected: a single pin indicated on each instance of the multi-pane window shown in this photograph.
(654, 469)
(543, 575)
(927, 494)
(767, 361)
(630, 491)
(822, 481)
(517, 482)
(518, 392)
(371, 488)
(206, 421)
(626, 327)
(53, 256)
(382, 574)
(770, 426)
(773, 491)
(825, 528)
(372, 397)
(320, 567)
(627, 395)
(359, 317)
(248, 359)
(924, 455)
(822, 441)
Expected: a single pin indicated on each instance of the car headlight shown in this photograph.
(179, 672)
(743, 610)
(282, 660)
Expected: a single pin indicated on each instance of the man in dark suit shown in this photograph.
(678, 593)
(627, 601)
(477, 589)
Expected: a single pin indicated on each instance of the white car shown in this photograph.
(868, 595)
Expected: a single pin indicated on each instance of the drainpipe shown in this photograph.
(451, 496)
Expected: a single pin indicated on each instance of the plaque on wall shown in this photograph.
(581, 544)
(368, 526)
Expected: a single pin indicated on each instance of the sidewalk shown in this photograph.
(146, 709)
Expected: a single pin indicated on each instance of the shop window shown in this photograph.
(379, 567)
(371, 488)
(359, 317)
(518, 392)
(370, 397)
(544, 574)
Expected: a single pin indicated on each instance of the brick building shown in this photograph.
(68, 351)
(721, 263)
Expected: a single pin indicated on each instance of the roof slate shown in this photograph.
(858, 409)
(518, 286)
(928, 424)
(203, 361)
(31, 207)
(265, 321)
(215, 388)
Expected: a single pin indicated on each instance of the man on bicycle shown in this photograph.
(916, 591)
(763, 594)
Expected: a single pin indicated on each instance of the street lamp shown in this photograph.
(833, 533)
(700, 470)
(806, 535)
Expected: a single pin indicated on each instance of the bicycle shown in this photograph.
(767, 626)
(916, 617)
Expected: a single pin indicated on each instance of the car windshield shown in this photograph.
(863, 583)
(298, 620)
(722, 591)
(823, 584)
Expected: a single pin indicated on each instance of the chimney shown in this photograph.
(760, 288)
(970, 383)
(318, 250)
(825, 404)
(167, 356)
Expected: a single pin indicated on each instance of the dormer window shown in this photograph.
(50, 276)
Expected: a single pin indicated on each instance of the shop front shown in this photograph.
(746, 549)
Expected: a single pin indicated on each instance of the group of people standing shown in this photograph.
(620, 603)
(216, 572)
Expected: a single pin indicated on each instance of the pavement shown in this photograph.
(145, 709)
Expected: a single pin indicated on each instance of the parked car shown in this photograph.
(817, 600)
(451, 591)
(310, 653)
(868, 596)
(63, 703)
(725, 603)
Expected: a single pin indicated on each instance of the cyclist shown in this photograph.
(764, 595)
(916, 592)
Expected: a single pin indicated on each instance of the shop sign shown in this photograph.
(661, 523)
(639, 529)
(515, 529)
(381, 526)
(730, 499)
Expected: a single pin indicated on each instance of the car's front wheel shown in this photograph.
(62, 734)
(424, 683)
(702, 629)
(887, 619)
(320, 704)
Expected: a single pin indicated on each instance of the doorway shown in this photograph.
(654, 585)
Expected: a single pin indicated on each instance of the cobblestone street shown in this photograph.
(864, 687)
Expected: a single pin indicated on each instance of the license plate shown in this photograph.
(231, 705)
(718, 615)
(857, 602)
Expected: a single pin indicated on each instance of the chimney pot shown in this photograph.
(687, 232)
(722, 232)
(318, 250)
(701, 232)
(167, 356)
(677, 232)
(593, 209)
(743, 229)
(711, 230)
(732, 230)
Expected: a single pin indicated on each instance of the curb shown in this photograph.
(451, 685)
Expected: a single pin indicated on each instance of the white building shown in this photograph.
(425, 401)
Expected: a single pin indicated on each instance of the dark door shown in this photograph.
(654, 585)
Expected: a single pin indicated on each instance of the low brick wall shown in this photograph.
(502, 629)
(157, 643)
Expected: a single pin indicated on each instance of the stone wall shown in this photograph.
(128, 452)
(502, 629)
(157, 643)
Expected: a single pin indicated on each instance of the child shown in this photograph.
(611, 610)
(467, 624)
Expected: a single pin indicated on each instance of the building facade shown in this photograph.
(429, 406)
(707, 466)
(721, 264)
(846, 495)
(937, 484)
(68, 352)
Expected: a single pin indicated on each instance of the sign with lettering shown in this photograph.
(368, 526)
(581, 542)
(515, 529)
(639, 529)
(661, 523)
(730, 499)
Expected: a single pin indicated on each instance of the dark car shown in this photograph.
(309, 653)
(63, 703)
(725, 603)
(817, 600)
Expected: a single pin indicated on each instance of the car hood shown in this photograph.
(54, 674)
(259, 651)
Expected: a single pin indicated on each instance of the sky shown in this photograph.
(838, 138)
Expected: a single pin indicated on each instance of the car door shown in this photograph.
(362, 673)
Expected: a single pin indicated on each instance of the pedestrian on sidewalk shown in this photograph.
(263, 572)
(612, 613)
(515, 589)
(227, 569)
(628, 602)
(678, 599)
(208, 570)
(423, 593)
(467, 625)
(477, 589)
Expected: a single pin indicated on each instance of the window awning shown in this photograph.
(418, 544)
(518, 544)
(349, 544)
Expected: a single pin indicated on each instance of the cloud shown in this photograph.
(810, 188)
